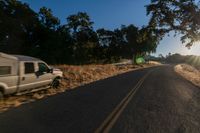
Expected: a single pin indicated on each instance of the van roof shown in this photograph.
(19, 57)
(25, 58)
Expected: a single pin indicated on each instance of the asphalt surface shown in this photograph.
(164, 102)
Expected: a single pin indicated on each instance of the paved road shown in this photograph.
(153, 100)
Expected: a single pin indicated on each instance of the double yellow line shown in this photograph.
(108, 123)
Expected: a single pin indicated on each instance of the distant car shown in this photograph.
(22, 74)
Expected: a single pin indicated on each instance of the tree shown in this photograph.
(84, 37)
(109, 43)
(147, 41)
(48, 46)
(26, 32)
(79, 21)
(182, 16)
(130, 34)
(47, 19)
(127, 42)
(139, 41)
(17, 25)
(160, 56)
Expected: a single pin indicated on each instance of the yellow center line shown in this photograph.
(112, 118)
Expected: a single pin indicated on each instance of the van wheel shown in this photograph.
(1, 95)
(55, 84)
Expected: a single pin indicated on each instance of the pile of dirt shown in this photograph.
(74, 76)
(189, 72)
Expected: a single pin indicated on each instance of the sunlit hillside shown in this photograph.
(189, 59)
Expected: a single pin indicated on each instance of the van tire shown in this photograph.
(56, 83)
(1, 95)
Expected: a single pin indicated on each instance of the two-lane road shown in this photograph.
(152, 100)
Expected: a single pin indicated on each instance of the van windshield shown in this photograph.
(43, 67)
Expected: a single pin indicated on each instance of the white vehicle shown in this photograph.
(22, 74)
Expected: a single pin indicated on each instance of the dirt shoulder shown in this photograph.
(74, 76)
(188, 72)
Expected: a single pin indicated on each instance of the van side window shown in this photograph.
(29, 68)
(5, 70)
(43, 67)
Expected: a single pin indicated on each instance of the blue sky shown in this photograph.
(112, 14)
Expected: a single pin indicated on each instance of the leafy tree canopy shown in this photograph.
(41, 35)
(181, 16)
(47, 19)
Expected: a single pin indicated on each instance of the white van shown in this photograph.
(25, 74)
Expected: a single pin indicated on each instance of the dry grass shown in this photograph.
(74, 76)
(188, 72)
(154, 62)
(79, 75)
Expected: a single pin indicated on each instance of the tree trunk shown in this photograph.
(134, 59)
